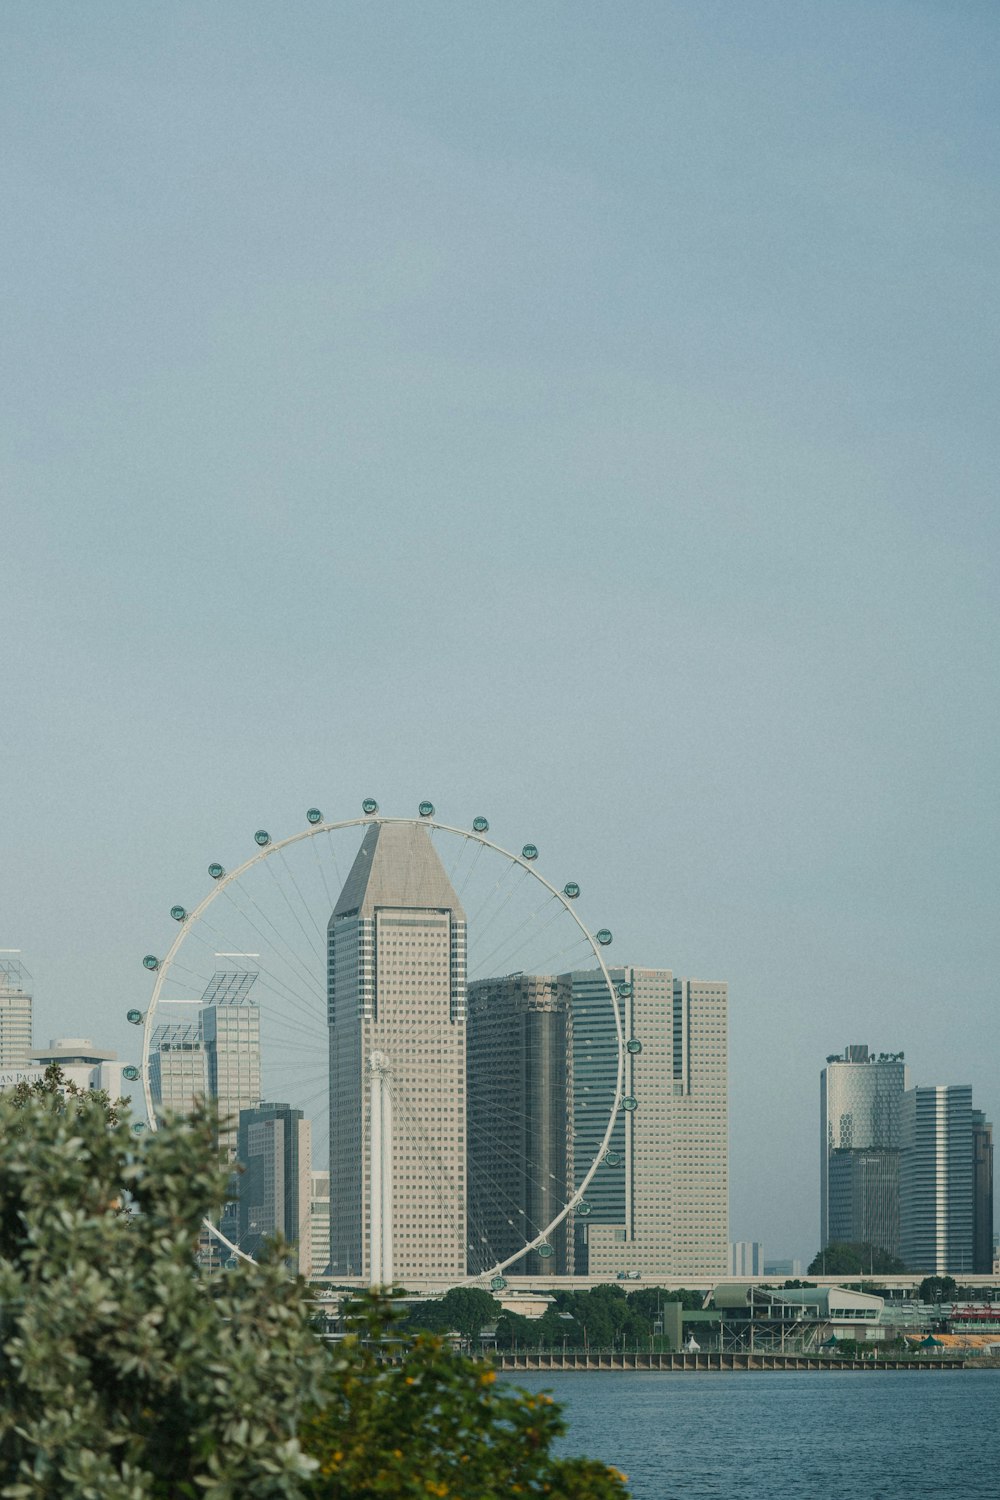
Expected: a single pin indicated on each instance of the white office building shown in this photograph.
(82, 1063)
(659, 1205)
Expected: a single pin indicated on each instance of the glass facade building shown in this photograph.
(659, 1203)
(273, 1143)
(937, 1189)
(860, 1120)
(519, 1078)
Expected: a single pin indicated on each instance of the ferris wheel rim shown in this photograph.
(273, 846)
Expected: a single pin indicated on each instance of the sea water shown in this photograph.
(788, 1435)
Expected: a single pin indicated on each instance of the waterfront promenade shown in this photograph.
(706, 1360)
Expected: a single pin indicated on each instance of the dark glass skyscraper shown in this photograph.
(519, 1080)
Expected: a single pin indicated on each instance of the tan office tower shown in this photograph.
(660, 1200)
(15, 1010)
(396, 1012)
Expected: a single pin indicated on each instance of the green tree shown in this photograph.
(124, 1374)
(842, 1259)
(937, 1289)
(417, 1419)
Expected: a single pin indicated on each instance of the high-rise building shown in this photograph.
(319, 1221)
(860, 1102)
(982, 1193)
(273, 1143)
(746, 1258)
(15, 1010)
(659, 1203)
(937, 1180)
(215, 1057)
(177, 1076)
(82, 1063)
(519, 1078)
(396, 1011)
(230, 1028)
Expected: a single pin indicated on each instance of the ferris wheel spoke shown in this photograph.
(303, 904)
(290, 956)
(517, 935)
(269, 866)
(501, 880)
(330, 903)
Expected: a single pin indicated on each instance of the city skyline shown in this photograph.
(225, 981)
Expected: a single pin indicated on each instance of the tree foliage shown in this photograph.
(411, 1417)
(128, 1374)
(937, 1289)
(124, 1374)
(842, 1259)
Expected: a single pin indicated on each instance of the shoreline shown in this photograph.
(718, 1361)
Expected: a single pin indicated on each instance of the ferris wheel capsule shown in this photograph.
(216, 871)
(497, 1283)
(262, 837)
(131, 1072)
(633, 1045)
(623, 990)
(571, 889)
(426, 809)
(151, 961)
(369, 806)
(545, 1250)
(630, 1102)
(603, 936)
(138, 1128)
(530, 851)
(178, 913)
(481, 825)
(583, 1208)
(314, 815)
(134, 1017)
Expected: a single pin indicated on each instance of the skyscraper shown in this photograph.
(15, 1010)
(982, 1193)
(519, 1094)
(937, 1158)
(215, 1057)
(230, 1028)
(396, 1012)
(319, 1221)
(860, 1102)
(274, 1145)
(177, 1076)
(659, 1203)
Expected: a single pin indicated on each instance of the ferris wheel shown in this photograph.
(410, 1033)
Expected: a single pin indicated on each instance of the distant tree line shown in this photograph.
(604, 1318)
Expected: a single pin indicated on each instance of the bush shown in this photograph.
(126, 1373)
(416, 1418)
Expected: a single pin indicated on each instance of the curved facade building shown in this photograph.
(861, 1096)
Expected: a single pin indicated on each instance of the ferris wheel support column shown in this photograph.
(380, 1188)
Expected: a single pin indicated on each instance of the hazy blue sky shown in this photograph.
(584, 413)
